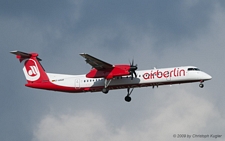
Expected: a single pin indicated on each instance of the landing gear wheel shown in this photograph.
(105, 90)
(201, 85)
(127, 98)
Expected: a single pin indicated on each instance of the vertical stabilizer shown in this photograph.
(33, 70)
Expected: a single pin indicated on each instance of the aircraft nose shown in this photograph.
(208, 77)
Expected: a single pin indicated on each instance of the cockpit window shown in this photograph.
(193, 69)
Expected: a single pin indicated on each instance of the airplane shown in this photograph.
(104, 76)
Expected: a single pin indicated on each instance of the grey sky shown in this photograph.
(153, 33)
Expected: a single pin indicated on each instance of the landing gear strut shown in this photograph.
(107, 82)
(153, 86)
(129, 91)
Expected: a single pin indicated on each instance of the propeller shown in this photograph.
(132, 69)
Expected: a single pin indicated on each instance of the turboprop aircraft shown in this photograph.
(104, 76)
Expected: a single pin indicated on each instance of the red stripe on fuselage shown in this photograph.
(50, 86)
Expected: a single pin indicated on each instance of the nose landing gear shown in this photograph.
(201, 85)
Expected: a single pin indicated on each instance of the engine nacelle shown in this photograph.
(117, 70)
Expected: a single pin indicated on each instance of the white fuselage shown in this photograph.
(154, 77)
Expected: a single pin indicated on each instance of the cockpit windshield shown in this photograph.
(193, 69)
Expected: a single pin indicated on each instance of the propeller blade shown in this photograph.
(132, 76)
(132, 69)
(135, 74)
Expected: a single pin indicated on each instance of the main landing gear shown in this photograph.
(105, 90)
(129, 91)
(107, 82)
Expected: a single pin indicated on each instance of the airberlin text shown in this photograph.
(176, 72)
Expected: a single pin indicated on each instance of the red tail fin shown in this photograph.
(32, 69)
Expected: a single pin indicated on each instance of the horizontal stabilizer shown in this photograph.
(24, 54)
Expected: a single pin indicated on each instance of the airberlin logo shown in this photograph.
(30, 70)
(176, 72)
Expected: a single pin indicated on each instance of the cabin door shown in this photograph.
(77, 83)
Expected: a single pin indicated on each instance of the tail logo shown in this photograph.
(31, 70)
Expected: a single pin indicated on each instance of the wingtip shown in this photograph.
(82, 54)
(14, 52)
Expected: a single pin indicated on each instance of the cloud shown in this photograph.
(82, 126)
(182, 113)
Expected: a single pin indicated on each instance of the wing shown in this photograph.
(96, 63)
